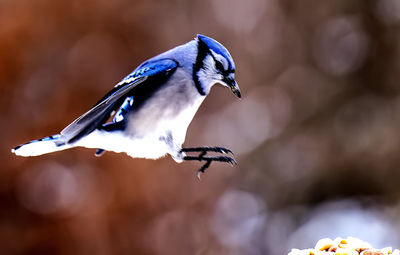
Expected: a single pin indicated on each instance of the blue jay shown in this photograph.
(152, 108)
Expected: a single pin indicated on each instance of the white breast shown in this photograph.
(168, 113)
(170, 109)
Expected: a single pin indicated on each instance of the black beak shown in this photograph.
(231, 83)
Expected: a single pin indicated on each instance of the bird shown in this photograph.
(147, 114)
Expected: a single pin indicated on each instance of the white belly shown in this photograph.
(158, 127)
(147, 147)
(148, 138)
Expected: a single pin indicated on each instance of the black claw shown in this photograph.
(226, 151)
(202, 157)
(219, 159)
(227, 160)
(203, 169)
(208, 149)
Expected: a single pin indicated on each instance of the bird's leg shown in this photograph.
(202, 156)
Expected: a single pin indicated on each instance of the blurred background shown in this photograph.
(316, 134)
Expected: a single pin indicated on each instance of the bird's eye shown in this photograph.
(219, 66)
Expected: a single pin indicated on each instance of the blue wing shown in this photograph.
(102, 110)
(123, 110)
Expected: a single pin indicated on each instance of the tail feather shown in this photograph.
(42, 146)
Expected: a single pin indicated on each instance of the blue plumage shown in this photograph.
(153, 107)
(123, 110)
(149, 68)
(219, 49)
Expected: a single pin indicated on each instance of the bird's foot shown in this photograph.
(206, 149)
(202, 157)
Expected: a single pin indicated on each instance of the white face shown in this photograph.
(209, 74)
(221, 60)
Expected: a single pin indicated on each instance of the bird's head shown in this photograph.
(214, 65)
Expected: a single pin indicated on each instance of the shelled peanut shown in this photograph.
(340, 246)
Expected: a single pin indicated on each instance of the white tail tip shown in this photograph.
(37, 148)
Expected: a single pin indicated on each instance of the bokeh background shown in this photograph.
(316, 134)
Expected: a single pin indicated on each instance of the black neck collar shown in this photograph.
(202, 51)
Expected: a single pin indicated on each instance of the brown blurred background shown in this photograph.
(316, 134)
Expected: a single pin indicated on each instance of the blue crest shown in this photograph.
(218, 48)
